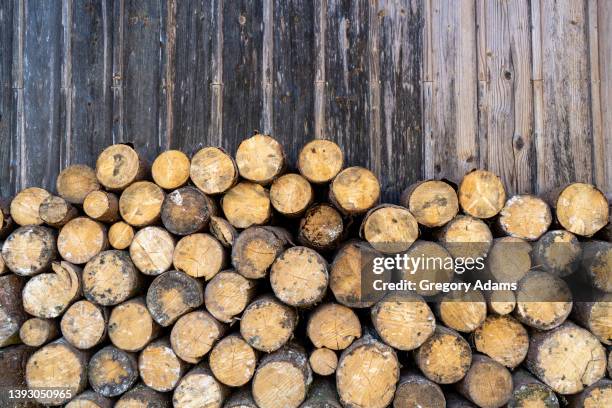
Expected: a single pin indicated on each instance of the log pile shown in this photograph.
(237, 281)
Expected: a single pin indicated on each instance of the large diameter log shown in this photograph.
(241, 398)
(509, 260)
(25, 207)
(481, 194)
(112, 371)
(525, 216)
(595, 396)
(415, 391)
(260, 159)
(596, 317)
(186, 211)
(170, 169)
(567, 358)
(225, 232)
(90, 399)
(256, 248)
(199, 388)
(389, 228)
(282, 378)
(227, 294)
(75, 182)
(55, 211)
(323, 361)
(333, 326)
(200, 256)
(466, 237)
(529, 392)
(120, 235)
(213, 170)
(118, 166)
(557, 252)
(160, 368)
(84, 324)
(29, 250)
(142, 396)
(48, 295)
(503, 339)
(321, 228)
(36, 332)
(461, 310)
(291, 194)
(12, 314)
(267, 324)
(152, 250)
(477, 385)
(246, 204)
(320, 161)
(173, 294)
(543, 301)
(81, 239)
(299, 277)
(140, 204)
(597, 264)
(433, 203)
(322, 394)
(403, 322)
(233, 361)
(367, 374)
(194, 334)
(444, 357)
(111, 278)
(130, 325)
(102, 206)
(434, 272)
(354, 190)
(57, 365)
(581, 209)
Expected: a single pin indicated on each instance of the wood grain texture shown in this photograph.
(7, 99)
(604, 29)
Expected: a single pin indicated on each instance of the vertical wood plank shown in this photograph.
(294, 74)
(320, 34)
(604, 141)
(7, 101)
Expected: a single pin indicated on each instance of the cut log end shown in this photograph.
(431, 271)
(557, 252)
(120, 235)
(582, 209)
(102, 206)
(321, 228)
(525, 216)
(159, 367)
(487, 383)
(112, 371)
(481, 194)
(170, 169)
(213, 171)
(509, 259)
(186, 211)
(152, 250)
(140, 204)
(81, 239)
(390, 229)
(597, 264)
(48, 295)
(256, 248)
(433, 203)
(444, 357)
(323, 361)
(84, 324)
(173, 294)
(142, 396)
(227, 295)
(333, 326)
(267, 324)
(118, 166)
(36, 332)
(199, 388)
(225, 232)
(355, 190)
(29, 250)
(503, 339)
(110, 278)
(233, 361)
(199, 256)
(466, 237)
(291, 194)
(320, 161)
(414, 390)
(130, 325)
(249, 157)
(75, 182)
(463, 311)
(55, 211)
(25, 207)
(194, 334)
(246, 204)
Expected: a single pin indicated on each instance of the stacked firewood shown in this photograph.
(220, 281)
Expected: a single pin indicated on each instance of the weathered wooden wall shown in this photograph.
(410, 88)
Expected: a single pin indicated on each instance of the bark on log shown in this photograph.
(173, 294)
(322, 394)
(186, 211)
(227, 294)
(112, 371)
(241, 398)
(102, 206)
(75, 182)
(90, 399)
(256, 248)
(111, 278)
(225, 232)
(267, 324)
(29, 250)
(84, 324)
(529, 392)
(321, 228)
(12, 314)
(320, 161)
(142, 396)
(445, 357)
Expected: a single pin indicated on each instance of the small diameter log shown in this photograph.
(241, 398)
(194, 334)
(581, 209)
(434, 270)
(12, 314)
(321, 228)
(503, 339)
(466, 237)
(403, 322)
(225, 232)
(481, 194)
(260, 159)
(354, 190)
(444, 357)
(557, 252)
(322, 394)
(55, 211)
(227, 294)
(256, 248)
(29, 250)
(282, 378)
(213, 170)
(597, 264)
(170, 169)
(525, 216)
(110, 278)
(75, 182)
(233, 361)
(112, 371)
(36, 332)
(543, 301)
(367, 374)
(140, 204)
(291, 194)
(596, 317)
(500, 302)
(487, 383)
(323, 361)
(120, 235)
(48, 295)
(567, 358)
(389, 228)
(81, 239)
(529, 392)
(57, 365)
(118, 166)
(433, 203)
(84, 324)
(102, 206)
(246, 204)
(320, 161)
(142, 396)
(160, 368)
(25, 207)
(199, 256)
(199, 388)
(416, 391)
(152, 250)
(90, 399)
(462, 311)
(186, 211)
(509, 260)
(130, 325)
(595, 396)
(173, 294)
(333, 326)
(299, 277)
(267, 324)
